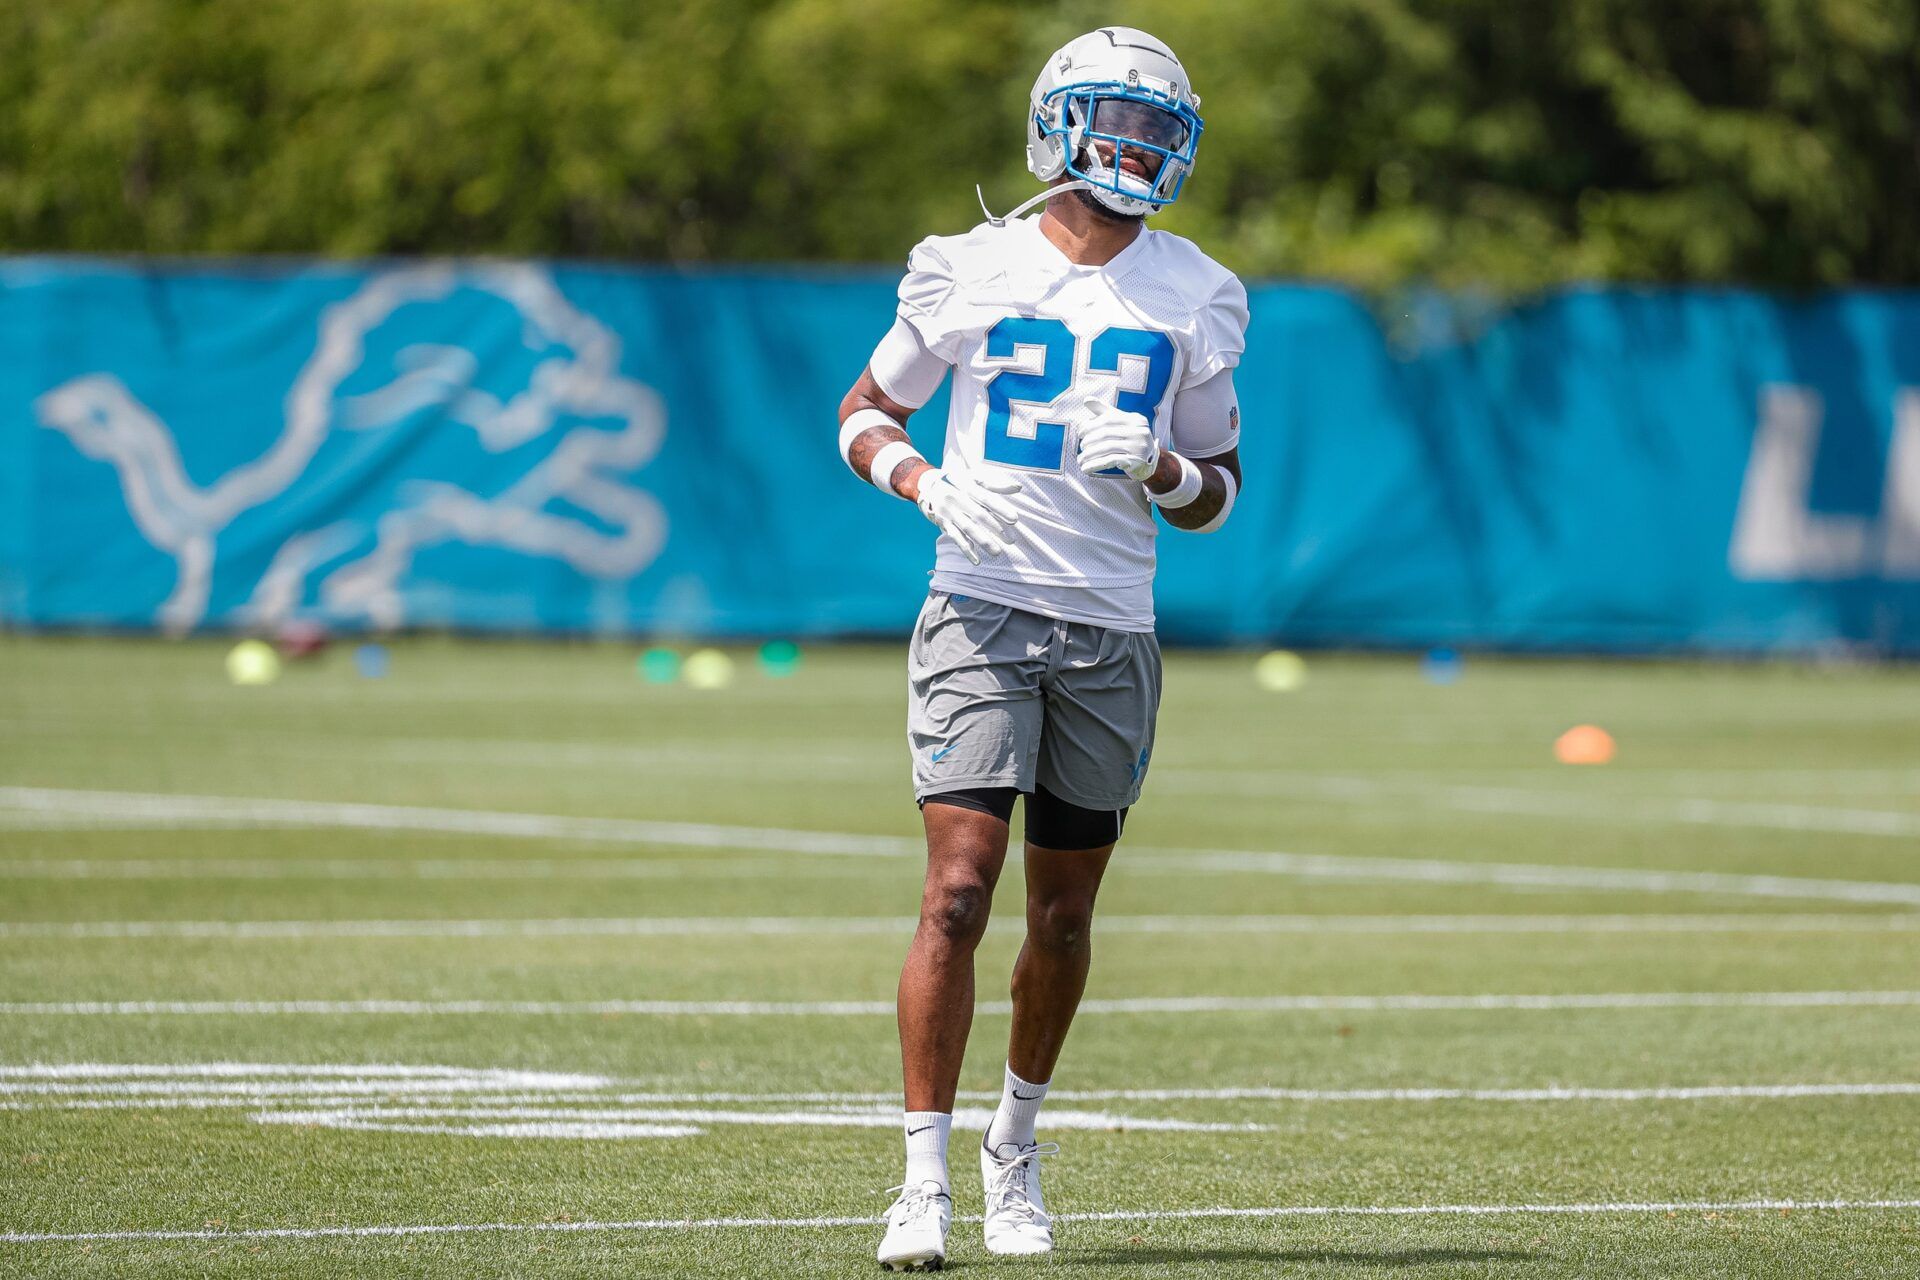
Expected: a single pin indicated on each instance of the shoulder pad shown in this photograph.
(1185, 266)
(970, 256)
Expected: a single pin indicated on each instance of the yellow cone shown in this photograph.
(707, 669)
(253, 662)
(1280, 671)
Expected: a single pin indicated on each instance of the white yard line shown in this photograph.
(241, 1090)
(853, 764)
(489, 1103)
(1693, 811)
(486, 1116)
(857, 926)
(1654, 1093)
(1530, 876)
(662, 926)
(498, 1103)
(1663, 1093)
(1524, 802)
(368, 869)
(235, 812)
(246, 1085)
(1114, 1215)
(120, 805)
(869, 1008)
(882, 1116)
(115, 807)
(1880, 782)
(244, 1070)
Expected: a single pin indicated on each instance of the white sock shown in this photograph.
(1019, 1109)
(927, 1147)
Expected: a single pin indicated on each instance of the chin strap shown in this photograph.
(1079, 184)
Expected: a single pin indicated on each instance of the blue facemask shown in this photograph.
(1159, 131)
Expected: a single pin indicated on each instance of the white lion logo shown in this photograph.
(574, 374)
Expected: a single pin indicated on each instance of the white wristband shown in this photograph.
(1226, 505)
(1183, 493)
(859, 422)
(891, 454)
(888, 460)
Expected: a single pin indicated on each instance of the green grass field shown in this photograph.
(511, 940)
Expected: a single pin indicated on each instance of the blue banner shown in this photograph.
(512, 446)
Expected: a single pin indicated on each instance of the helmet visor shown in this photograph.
(1131, 120)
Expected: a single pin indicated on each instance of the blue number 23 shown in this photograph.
(1042, 450)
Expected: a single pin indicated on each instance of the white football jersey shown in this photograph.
(1031, 336)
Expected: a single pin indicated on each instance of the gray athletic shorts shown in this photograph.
(999, 697)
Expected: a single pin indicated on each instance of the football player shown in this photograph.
(1092, 364)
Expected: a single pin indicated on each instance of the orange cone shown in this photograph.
(1584, 744)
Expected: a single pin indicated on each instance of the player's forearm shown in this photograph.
(1219, 483)
(867, 446)
(878, 426)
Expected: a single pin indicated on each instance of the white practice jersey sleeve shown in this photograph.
(907, 372)
(1206, 418)
(928, 304)
(1219, 333)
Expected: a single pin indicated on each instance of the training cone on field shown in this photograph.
(371, 661)
(707, 670)
(658, 666)
(253, 662)
(1584, 744)
(1280, 671)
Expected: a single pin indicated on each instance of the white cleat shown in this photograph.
(1017, 1223)
(917, 1224)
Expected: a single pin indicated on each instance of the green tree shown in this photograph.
(1378, 142)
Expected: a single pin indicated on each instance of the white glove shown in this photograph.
(970, 508)
(1117, 439)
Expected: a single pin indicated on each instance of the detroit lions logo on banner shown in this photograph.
(1778, 536)
(443, 406)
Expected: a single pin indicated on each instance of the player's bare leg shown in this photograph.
(1048, 980)
(965, 851)
(1051, 973)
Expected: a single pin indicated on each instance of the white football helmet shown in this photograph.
(1122, 87)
